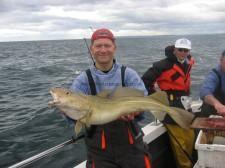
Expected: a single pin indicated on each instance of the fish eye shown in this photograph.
(67, 93)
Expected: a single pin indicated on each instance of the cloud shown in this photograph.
(53, 19)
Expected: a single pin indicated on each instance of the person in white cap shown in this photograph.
(172, 75)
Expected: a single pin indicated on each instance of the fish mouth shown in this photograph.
(55, 100)
(51, 103)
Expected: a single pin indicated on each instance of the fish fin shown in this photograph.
(126, 92)
(182, 117)
(87, 125)
(161, 97)
(73, 113)
(85, 119)
(160, 115)
(78, 127)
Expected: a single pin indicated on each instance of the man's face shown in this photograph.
(222, 62)
(103, 50)
(181, 53)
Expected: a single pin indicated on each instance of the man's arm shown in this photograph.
(150, 76)
(80, 84)
(149, 79)
(206, 93)
(133, 80)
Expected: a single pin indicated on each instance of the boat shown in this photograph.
(155, 136)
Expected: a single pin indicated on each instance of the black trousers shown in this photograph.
(119, 153)
(120, 157)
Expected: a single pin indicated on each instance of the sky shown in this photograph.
(26, 20)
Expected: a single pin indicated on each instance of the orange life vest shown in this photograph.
(175, 78)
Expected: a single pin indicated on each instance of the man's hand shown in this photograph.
(220, 108)
(129, 117)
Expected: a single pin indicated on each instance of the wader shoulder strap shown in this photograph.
(123, 68)
(91, 82)
(218, 75)
(89, 131)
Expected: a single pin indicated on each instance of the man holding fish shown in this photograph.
(115, 144)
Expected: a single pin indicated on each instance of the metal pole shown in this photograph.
(45, 153)
(89, 51)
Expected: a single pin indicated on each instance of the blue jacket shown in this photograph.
(110, 80)
(211, 82)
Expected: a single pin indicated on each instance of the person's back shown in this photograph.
(172, 75)
(213, 91)
(116, 144)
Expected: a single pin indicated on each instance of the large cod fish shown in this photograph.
(110, 105)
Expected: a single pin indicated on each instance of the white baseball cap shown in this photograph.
(183, 43)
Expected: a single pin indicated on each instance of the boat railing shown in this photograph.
(45, 153)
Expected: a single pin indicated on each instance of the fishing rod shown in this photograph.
(45, 153)
(86, 43)
(89, 51)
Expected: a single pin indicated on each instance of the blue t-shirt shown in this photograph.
(211, 82)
